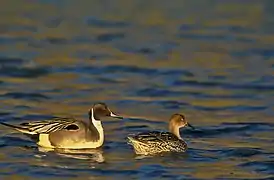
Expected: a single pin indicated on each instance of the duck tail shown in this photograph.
(130, 140)
(18, 128)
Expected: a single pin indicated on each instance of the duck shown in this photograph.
(154, 142)
(68, 132)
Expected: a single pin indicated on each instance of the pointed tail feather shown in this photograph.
(18, 128)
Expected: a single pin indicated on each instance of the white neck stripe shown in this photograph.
(98, 126)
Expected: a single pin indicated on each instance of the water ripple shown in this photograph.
(100, 23)
(28, 96)
(266, 167)
(234, 128)
(240, 108)
(249, 86)
(107, 37)
(138, 57)
(25, 72)
(242, 152)
(154, 92)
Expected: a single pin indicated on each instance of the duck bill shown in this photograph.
(189, 125)
(115, 116)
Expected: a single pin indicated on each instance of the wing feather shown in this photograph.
(48, 126)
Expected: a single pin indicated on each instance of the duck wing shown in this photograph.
(45, 126)
(155, 136)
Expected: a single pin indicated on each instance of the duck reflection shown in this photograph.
(95, 155)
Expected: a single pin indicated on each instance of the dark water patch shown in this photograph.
(143, 121)
(266, 167)
(145, 50)
(153, 171)
(200, 37)
(205, 108)
(53, 22)
(265, 79)
(229, 28)
(200, 155)
(216, 96)
(195, 83)
(14, 141)
(42, 43)
(178, 72)
(24, 72)
(112, 69)
(242, 152)
(242, 129)
(39, 171)
(250, 86)
(149, 71)
(19, 28)
(168, 104)
(107, 37)
(5, 113)
(27, 96)
(87, 54)
(217, 130)
(12, 40)
(217, 77)
(120, 146)
(253, 87)
(56, 40)
(115, 172)
(239, 108)
(34, 117)
(132, 129)
(80, 39)
(268, 178)
(156, 92)
(130, 69)
(223, 37)
(34, 43)
(242, 108)
(264, 52)
(22, 107)
(9, 61)
(239, 29)
(256, 126)
(189, 27)
(108, 80)
(156, 50)
(101, 23)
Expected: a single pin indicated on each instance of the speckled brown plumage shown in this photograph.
(157, 142)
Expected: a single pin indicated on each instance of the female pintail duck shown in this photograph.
(157, 142)
(68, 133)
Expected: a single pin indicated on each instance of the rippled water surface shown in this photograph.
(211, 60)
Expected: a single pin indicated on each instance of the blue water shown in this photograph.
(210, 60)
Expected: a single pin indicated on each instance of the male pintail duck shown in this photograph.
(157, 142)
(68, 133)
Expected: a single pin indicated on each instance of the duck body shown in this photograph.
(68, 133)
(156, 142)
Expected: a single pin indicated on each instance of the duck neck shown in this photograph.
(98, 125)
(175, 130)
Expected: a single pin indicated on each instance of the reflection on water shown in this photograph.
(212, 61)
(95, 155)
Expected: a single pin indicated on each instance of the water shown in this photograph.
(212, 61)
